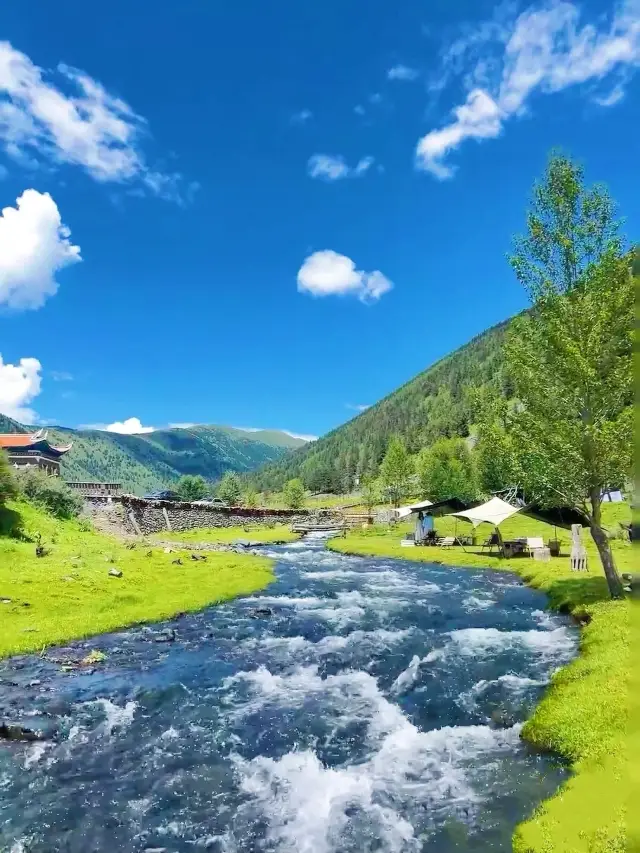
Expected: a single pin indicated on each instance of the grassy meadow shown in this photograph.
(583, 715)
(68, 594)
(261, 534)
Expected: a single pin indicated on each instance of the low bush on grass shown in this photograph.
(49, 493)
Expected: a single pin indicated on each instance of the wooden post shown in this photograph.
(134, 523)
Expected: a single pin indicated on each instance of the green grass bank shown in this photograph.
(584, 713)
(68, 594)
(259, 534)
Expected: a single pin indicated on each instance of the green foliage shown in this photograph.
(447, 470)
(192, 487)
(230, 489)
(49, 493)
(396, 470)
(371, 492)
(569, 228)
(494, 456)
(293, 494)
(571, 357)
(7, 480)
(250, 499)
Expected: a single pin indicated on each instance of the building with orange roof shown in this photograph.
(33, 450)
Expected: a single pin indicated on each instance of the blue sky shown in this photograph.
(269, 215)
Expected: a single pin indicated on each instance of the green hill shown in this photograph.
(153, 460)
(434, 404)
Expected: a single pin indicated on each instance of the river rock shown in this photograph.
(166, 636)
(261, 612)
(15, 731)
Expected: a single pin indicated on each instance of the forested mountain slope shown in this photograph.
(156, 459)
(434, 404)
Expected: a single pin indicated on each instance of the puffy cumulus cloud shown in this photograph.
(34, 246)
(85, 125)
(132, 426)
(327, 167)
(402, 72)
(544, 50)
(19, 386)
(327, 273)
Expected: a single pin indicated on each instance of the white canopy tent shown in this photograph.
(405, 511)
(493, 512)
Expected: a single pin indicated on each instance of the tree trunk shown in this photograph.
(604, 549)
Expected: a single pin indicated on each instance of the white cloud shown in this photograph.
(402, 72)
(327, 273)
(90, 128)
(19, 386)
(359, 407)
(364, 165)
(301, 117)
(301, 436)
(61, 376)
(545, 50)
(327, 167)
(359, 110)
(34, 246)
(132, 426)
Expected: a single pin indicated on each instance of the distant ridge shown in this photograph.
(152, 460)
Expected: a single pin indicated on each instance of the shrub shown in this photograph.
(49, 492)
(7, 480)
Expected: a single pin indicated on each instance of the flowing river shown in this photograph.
(359, 705)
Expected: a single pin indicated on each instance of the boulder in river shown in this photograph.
(261, 612)
(15, 731)
(166, 636)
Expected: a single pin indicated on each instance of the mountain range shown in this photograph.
(434, 404)
(159, 458)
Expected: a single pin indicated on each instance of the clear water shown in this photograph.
(359, 716)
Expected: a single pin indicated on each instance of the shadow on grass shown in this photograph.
(566, 594)
(11, 523)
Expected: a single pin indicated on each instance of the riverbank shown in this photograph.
(76, 591)
(281, 534)
(583, 715)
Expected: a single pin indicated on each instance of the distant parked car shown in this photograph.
(209, 502)
(163, 495)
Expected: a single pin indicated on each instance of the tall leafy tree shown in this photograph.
(570, 356)
(396, 470)
(250, 499)
(293, 494)
(230, 489)
(370, 489)
(446, 470)
(192, 487)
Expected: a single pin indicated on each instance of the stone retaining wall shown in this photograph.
(146, 517)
